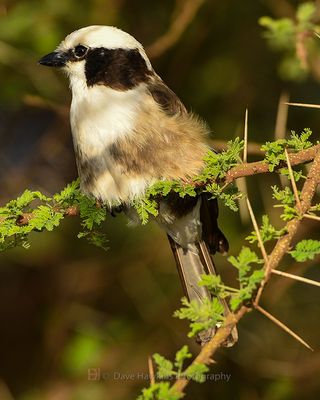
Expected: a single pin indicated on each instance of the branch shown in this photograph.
(296, 277)
(207, 351)
(25, 218)
(261, 167)
(283, 326)
(283, 244)
(240, 170)
(280, 249)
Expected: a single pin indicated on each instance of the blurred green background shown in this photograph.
(66, 306)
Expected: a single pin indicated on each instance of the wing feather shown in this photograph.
(166, 98)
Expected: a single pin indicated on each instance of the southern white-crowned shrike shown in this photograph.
(129, 131)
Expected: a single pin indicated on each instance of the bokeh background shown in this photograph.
(66, 306)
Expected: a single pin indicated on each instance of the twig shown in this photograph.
(245, 136)
(283, 326)
(178, 26)
(241, 183)
(151, 371)
(282, 116)
(310, 216)
(304, 105)
(296, 277)
(281, 286)
(281, 125)
(293, 182)
(243, 209)
(256, 228)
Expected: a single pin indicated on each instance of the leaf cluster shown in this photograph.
(44, 216)
(168, 370)
(287, 202)
(216, 167)
(46, 213)
(249, 278)
(159, 391)
(306, 250)
(267, 232)
(275, 151)
(203, 316)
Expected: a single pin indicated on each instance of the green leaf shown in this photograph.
(249, 279)
(202, 316)
(305, 12)
(45, 217)
(274, 153)
(280, 33)
(145, 207)
(227, 197)
(285, 196)
(160, 391)
(69, 193)
(212, 282)
(316, 207)
(300, 142)
(217, 164)
(287, 202)
(181, 355)
(297, 175)
(98, 239)
(165, 368)
(90, 213)
(243, 261)
(17, 206)
(267, 232)
(162, 188)
(248, 289)
(306, 250)
(196, 372)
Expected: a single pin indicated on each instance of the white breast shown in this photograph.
(99, 116)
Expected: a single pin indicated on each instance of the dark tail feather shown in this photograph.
(192, 263)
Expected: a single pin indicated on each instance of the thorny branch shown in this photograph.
(282, 246)
(273, 261)
(207, 351)
(261, 167)
(240, 170)
(25, 218)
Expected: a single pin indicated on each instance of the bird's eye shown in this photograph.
(80, 51)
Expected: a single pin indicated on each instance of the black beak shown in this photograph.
(55, 59)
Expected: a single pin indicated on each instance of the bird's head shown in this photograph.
(101, 55)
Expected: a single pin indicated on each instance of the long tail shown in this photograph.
(192, 263)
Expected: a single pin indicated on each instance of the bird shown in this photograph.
(131, 130)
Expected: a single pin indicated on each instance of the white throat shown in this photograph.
(100, 115)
